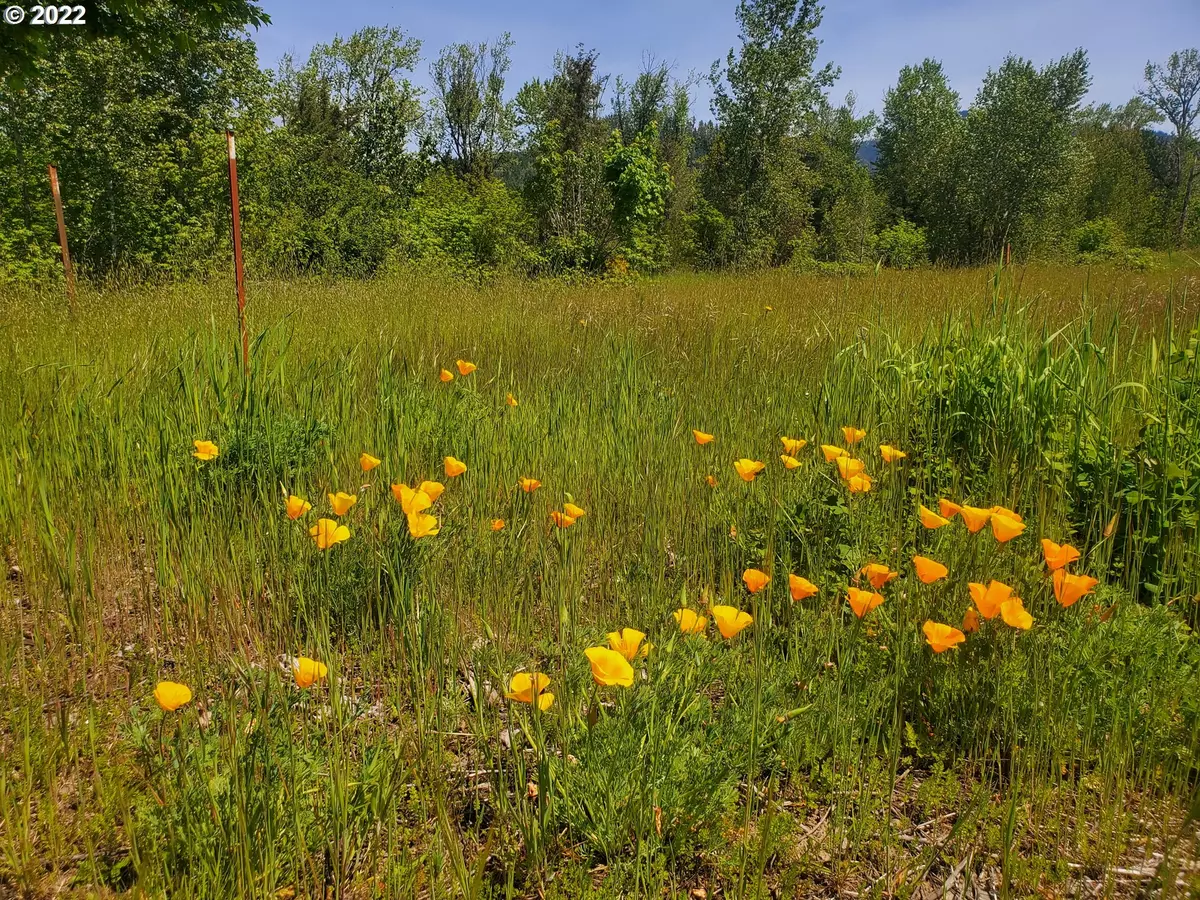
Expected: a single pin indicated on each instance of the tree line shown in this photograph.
(347, 167)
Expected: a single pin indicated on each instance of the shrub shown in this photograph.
(1097, 239)
(902, 246)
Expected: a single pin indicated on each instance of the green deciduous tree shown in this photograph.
(472, 122)
(640, 183)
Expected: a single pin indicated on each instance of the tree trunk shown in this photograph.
(1187, 200)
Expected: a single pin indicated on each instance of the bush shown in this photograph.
(1098, 239)
(1139, 259)
(902, 246)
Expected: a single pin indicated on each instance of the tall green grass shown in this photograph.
(813, 753)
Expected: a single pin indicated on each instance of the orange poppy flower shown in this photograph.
(421, 525)
(510, 399)
(941, 637)
(205, 450)
(831, 452)
(497, 524)
(801, 588)
(327, 532)
(748, 468)
(988, 599)
(792, 446)
(526, 687)
(308, 672)
(690, 622)
(464, 367)
(848, 467)
(445, 376)
(730, 620)
(411, 501)
(702, 437)
(947, 509)
(891, 454)
(297, 506)
(789, 462)
(561, 519)
(974, 517)
(454, 467)
(367, 462)
(878, 574)
(859, 484)
(1005, 511)
(1058, 555)
(432, 490)
(930, 519)
(853, 435)
(710, 480)
(1069, 588)
(1005, 528)
(341, 502)
(862, 602)
(609, 668)
(929, 570)
(170, 695)
(1013, 612)
(529, 485)
(970, 620)
(755, 580)
(575, 512)
(629, 643)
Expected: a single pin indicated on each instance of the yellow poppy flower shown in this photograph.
(792, 446)
(891, 454)
(205, 450)
(947, 509)
(853, 435)
(464, 367)
(862, 602)
(341, 502)
(432, 490)
(297, 506)
(525, 688)
(848, 467)
(730, 620)
(629, 643)
(171, 695)
(1013, 612)
(1069, 588)
(421, 525)
(1005, 528)
(575, 512)
(929, 570)
(988, 599)
(510, 399)
(831, 452)
(454, 467)
(1058, 555)
(445, 376)
(561, 519)
(859, 484)
(308, 672)
(941, 637)
(368, 462)
(702, 437)
(497, 524)
(1005, 511)
(970, 620)
(930, 519)
(609, 668)
(690, 622)
(327, 532)
(755, 580)
(974, 517)
(748, 468)
(878, 574)
(801, 588)
(710, 480)
(411, 501)
(529, 485)
(789, 462)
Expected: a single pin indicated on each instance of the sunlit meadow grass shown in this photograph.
(813, 754)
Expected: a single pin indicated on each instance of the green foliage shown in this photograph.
(902, 246)
(1098, 238)
(640, 183)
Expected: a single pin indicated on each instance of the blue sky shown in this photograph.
(869, 39)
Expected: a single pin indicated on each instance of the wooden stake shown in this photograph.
(62, 237)
(237, 251)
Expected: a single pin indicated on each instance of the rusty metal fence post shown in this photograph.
(62, 237)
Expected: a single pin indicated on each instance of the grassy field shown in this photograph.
(815, 753)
